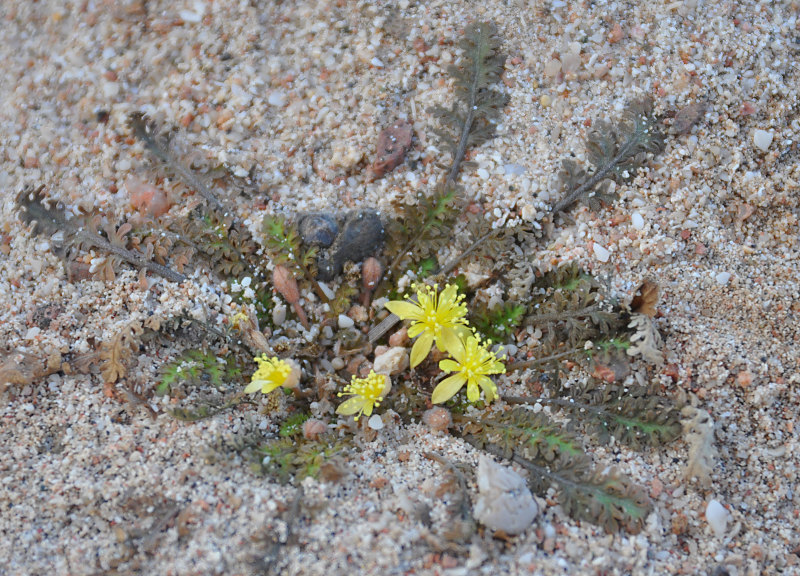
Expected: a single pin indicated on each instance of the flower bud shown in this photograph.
(371, 272)
(285, 284)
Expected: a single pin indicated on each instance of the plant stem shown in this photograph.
(544, 359)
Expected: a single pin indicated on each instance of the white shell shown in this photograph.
(504, 502)
(717, 517)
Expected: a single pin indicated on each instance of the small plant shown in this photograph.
(568, 314)
(194, 366)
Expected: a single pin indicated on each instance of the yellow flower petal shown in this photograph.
(416, 329)
(421, 348)
(448, 388)
(473, 392)
(351, 406)
(437, 317)
(253, 387)
(404, 310)
(489, 388)
(448, 365)
(449, 340)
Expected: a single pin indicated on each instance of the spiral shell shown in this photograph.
(318, 229)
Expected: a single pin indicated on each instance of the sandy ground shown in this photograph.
(298, 91)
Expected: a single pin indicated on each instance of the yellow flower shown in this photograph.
(273, 373)
(435, 318)
(367, 393)
(472, 362)
(239, 319)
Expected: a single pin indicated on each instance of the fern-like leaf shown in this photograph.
(615, 151)
(609, 499)
(471, 119)
(158, 145)
(72, 234)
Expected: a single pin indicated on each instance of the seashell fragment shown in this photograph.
(504, 501)
(318, 229)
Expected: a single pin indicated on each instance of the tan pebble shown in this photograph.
(379, 350)
(615, 34)
(358, 313)
(656, 488)
(756, 552)
(744, 379)
(399, 338)
(313, 428)
(545, 101)
(437, 418)
(392, 361)
(364, 369)
(355, 363)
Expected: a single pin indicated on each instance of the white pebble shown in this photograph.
(276, 99)
(345, 322)
(637, 221)
(375, 422)
(110, 89)
(717, 517)
(376, 62)
(32, 333)
(504, 501)
(514, 169)
(762, 139)
(279, 315)
(328, 292)
(601, 253)
(483, 173)
(338, 363)
(722, 278)
(190, 16)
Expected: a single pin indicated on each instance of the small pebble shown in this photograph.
(637, 221)
(762, 139)
(601, 253)
(717, 517)
(337, 363)
(399, 338)
(276, 99)
(392, 361)
(545, 101)
(552, 68)
(190, 16)
(722, 278)
(345, 322)
(375, 422)
(279, 315)
(514, 170)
